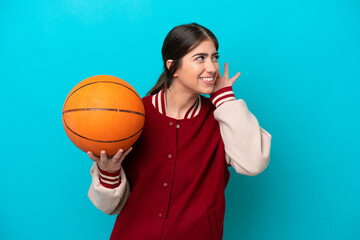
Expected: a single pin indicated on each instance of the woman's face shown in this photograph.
(198, 69)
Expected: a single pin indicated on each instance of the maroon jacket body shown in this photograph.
(177, 174)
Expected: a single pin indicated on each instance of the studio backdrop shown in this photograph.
(299, 64)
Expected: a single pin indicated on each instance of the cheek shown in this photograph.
(193, 70)
(199, 69)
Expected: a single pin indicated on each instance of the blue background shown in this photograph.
(299, 64)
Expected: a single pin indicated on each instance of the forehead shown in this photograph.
(206, 46)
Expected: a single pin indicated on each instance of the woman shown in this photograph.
(172, 185)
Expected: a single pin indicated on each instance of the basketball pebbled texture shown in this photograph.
(103, 113)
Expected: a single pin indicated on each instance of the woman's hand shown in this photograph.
(112, 164)
(224, 81)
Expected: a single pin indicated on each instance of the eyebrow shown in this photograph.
(205, 54)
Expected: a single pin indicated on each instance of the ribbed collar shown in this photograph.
(158, 101)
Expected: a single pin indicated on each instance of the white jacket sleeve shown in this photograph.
(109, 201)
(247, 145)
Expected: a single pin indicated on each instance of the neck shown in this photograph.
(177, 102)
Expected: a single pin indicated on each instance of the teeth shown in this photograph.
(208, 79)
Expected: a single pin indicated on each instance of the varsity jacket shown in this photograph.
(172, 184)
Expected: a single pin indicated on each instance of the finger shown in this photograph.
(117, 156)
(92, 156)
(233, 79)
(103, 157)
(226, 71)
(126, 153)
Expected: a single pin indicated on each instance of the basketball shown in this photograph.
(103, 113)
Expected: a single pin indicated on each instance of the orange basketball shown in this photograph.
(103, 113)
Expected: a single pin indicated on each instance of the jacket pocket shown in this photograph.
(213, 224)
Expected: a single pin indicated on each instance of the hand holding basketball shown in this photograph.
(112, 164)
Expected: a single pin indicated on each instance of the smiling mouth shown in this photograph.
(207, 79)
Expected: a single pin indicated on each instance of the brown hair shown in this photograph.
(178, 42)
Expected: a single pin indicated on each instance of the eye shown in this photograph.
(215, 57)
(200, 58)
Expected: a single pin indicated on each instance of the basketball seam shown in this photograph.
(100, 82)
(102, 141)
(102, 109)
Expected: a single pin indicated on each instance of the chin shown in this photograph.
(207, 91)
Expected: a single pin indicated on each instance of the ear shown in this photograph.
(168, 65)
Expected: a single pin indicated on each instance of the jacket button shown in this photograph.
(169, 156)
(159, 215)
(165, 185)
(170, 124)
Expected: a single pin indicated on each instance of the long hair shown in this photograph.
(178, 42)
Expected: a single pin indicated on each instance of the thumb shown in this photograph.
(93, 157)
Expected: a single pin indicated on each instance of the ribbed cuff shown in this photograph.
(222, 95)
(109, 180)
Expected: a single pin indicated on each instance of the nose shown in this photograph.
(210, 67)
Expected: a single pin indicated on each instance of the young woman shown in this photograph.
(172, 184)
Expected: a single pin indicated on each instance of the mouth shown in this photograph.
(208, 80)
